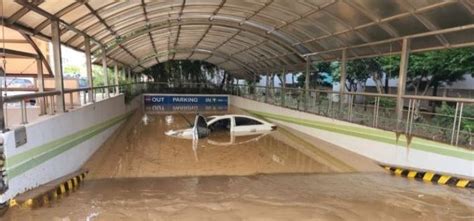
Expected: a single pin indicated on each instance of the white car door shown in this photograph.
(245, 124)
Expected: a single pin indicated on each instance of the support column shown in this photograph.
(129, 75)
(267, 86)
(255, 87)
(90, 79)
(272, 87)
(123, 74)
(306, 83)
(342, 81)
(283, 87)
(106, 75)
(2, 114)
(58, 66)
(116, 77)
(402, 77)
(40, 85)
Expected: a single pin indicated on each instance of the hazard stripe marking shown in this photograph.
(50, 196)
(431, 177)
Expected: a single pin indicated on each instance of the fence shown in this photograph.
(452, 121)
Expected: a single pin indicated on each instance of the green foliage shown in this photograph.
(445, 117)
(388, 102)
(99, 77)
(433, 68)
(315, 77)
(182, 71)
(72, 69)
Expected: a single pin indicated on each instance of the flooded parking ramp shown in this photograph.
(261, 197)
(143, 174)
(143, 150)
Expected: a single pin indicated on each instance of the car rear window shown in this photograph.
(243, 121)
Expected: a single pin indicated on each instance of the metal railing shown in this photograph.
(45, 103)
(452, 122)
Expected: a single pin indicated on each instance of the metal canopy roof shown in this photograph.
(246, 36)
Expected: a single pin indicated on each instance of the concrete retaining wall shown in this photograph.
(60, 144)
(379, 145)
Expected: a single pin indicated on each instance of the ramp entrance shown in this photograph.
(141, 173)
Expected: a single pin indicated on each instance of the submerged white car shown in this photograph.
(233, 123)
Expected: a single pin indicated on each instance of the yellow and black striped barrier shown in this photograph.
(431, 177)
(55, 193)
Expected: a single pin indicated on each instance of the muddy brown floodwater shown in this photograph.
(142, 174)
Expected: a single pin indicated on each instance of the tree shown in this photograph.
(358, 72)
(315, 77)
(433, 69)
(182, 71)
(72, 69)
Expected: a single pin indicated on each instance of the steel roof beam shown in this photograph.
(30, 32)
(200, 39)
(176, 40)
(383, 20)
(152, 41)
(235, 60)
(36, 9)
(139, 33)
(39, 52)
(102, 21)
(23, 11)
(386, 27)
(10, 53)
(301, 17)
(58, 14)
(427, 23)
(425, 34)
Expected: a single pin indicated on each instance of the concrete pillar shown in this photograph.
(58, 66)
(283, 87)
(402, 78)
(306, 83)
(90, 79)
(342, 81)
(106, 75)
(40, 85)
(116, 77)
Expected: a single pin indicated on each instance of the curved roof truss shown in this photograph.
(257, 35)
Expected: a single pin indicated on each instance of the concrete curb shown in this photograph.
(430, 177)
(54, 194)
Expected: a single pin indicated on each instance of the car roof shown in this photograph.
(235, 115)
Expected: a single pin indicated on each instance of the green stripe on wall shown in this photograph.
(375, 135)
(27, 160)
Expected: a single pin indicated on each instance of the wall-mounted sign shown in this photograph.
(20, 136)
(161, 99)
(160, 103)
